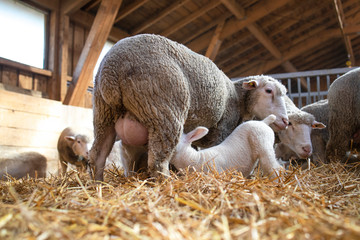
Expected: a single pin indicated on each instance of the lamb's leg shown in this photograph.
(104, 136)
(63, 166)
(268, 161)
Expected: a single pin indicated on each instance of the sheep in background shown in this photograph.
(149, 89)
(344, 113)
(24, 164)
(73, 147)
(250, 141)
(296, 139)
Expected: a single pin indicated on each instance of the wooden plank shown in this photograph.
(215, 42)
(25, 80)
(158, 16)
(21, 102)
(10, 118)
(87, 20)
(94, 43)
(9, 76)
(20, 66)
(235, 8)
(78, 44)
(71, 6)
(40, 83)
(212, 4)
(125, 11)
(27, 138)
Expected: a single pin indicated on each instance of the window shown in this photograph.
(22, 33)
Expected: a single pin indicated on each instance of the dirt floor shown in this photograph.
(317, 203)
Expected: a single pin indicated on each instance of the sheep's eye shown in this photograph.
(290, 123)
(78, 141)
(268, 90)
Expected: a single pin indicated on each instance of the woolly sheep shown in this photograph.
(344, 113)
(297, 137)
(148, 89)
(24, 164)
(250, 141)
(73, 147)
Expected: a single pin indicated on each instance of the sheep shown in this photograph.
(73, 147)
(297, 137)
(23, 164)
(251, 141)
(344, 113)
(148, 89)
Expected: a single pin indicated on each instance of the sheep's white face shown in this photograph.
(79, 146)
(268, 98)
(297, 138)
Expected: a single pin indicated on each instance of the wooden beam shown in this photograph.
(295, 51)
(71, 6)
(342, 23)
(21, 66)
(215, 42)
(49, 5)
(235, 8)
(95, 41)
(212, 4)
(86, 20)
(126, 10)
(158, 16)
(232, 26)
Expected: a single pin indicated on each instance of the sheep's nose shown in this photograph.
(307, 149)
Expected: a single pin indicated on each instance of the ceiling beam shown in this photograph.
(232, 26)
(71, 6)
(95, 41)
(215, 42)
(129, 9)
(261, 36)
(212, 4)
(158, 16)
(342, 23)
(86, 20)
(296, 50)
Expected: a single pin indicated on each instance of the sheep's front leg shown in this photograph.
(268, 162)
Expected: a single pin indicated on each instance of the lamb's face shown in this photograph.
(268, 98)
(297, 138)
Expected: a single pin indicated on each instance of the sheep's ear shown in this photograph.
(250, 85)
(318, 125)
(70, 139)
(196, 134)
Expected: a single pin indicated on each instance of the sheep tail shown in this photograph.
(269, 119)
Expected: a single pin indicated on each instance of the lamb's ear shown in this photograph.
(318, 125)
(70, 139)
(196, 134)
(250, 85)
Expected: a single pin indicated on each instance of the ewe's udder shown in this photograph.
(131, 132)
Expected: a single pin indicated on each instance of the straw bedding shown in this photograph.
(319, 203)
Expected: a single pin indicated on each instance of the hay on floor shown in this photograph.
(320, 203)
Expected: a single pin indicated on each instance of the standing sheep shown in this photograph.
(249, 142)
(297, 137)
(73, 148)
(149, 89)
(24, 164)
(344, 113)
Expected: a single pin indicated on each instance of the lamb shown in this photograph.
(297, 137)
(344, 113)
(148, 89)
(23, 164)
(250, 141)
(73, 147)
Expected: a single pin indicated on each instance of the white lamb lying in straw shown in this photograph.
(250, 141)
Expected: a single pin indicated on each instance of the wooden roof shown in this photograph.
(243, 37)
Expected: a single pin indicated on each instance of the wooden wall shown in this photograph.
(30, 123)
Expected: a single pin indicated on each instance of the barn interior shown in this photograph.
(305, 44)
